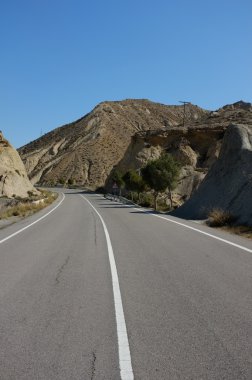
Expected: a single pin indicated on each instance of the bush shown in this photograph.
(61, 181)
(218, 218)
(70, 181)
(146, 200)
(101, 190)
(162, 205)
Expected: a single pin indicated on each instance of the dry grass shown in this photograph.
(226, 221)
(28, 206)
(244, 231)
(219, 218)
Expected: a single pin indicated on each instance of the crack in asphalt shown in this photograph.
(93, 366)
(95, 232)
(57, 279)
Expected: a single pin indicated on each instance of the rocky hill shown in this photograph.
(13, 177)
(86, 151)
(126, 135)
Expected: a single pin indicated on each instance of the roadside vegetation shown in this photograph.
(161, 176)
(151, 186)
(226, 221)
(219, 218)
(24, 207)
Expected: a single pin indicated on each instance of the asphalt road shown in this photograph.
(186, 296)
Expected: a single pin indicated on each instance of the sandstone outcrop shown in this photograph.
(13, 176)
(228, 185)
(196, 148)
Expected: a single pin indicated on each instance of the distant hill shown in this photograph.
(85, 151)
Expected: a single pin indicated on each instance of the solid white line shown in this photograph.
(122, 336)
(191, 228)
(201, 232)
(36, 221)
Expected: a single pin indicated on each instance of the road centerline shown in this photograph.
(126, 370)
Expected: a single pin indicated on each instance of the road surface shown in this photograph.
(185, 296)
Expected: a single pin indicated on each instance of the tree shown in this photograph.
(70, 181)
(61, 181)
(162, 174)
(117, 177)
(134, 182)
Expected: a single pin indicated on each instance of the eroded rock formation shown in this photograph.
(228, 185)
(196, 146)
(13, 176)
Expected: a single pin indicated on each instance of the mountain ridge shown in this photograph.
(75, 149)
(126, 135)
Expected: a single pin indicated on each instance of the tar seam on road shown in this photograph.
(126, 370)
(201, 232)
(36, 221)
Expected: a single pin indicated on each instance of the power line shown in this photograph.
(184, 103)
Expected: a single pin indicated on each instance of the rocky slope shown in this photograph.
(13, 176)
(228, 185)
(126, 135)
(86, 151)
(196, 146)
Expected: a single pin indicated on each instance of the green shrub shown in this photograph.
(61, 181)
(70, 181)
(146, 200)
(162, 205)
(101, 190)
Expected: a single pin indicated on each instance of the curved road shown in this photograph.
(185, 291)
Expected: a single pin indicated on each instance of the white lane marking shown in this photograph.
(192, 228)
(36, 221)
(126, 370)
(197, 230)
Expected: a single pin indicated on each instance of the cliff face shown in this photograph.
(13, 176)
(86, 151)
(228, 184)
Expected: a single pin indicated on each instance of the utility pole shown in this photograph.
(184, 103)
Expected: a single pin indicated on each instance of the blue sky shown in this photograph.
(59, 58)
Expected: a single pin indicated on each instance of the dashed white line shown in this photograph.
(126, 370)
(36, 221)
